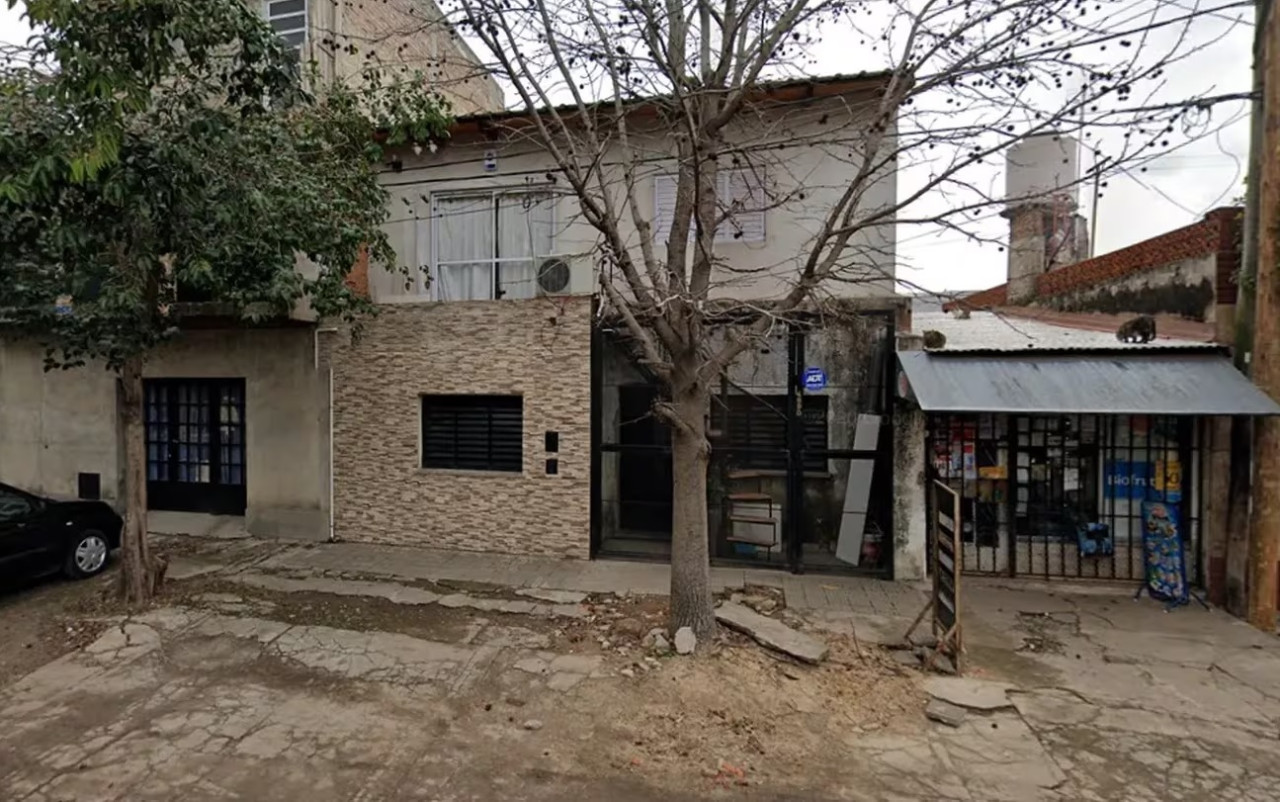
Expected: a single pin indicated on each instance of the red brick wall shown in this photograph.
(358, 278)
(996, 296)
(1218, 233)
(1189, 242)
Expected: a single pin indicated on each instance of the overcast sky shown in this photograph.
(1174, 191)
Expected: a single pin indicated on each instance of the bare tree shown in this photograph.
(710, 97)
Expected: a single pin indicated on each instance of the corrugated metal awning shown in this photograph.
(1146, 383)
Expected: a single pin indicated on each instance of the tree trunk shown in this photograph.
(139, 578)
(691, 604)
(1245, 309)
(1264, 518)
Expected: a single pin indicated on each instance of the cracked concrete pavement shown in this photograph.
(1131, 702)
(190, 704)
(1081, 696)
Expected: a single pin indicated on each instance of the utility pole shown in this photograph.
(1264, 512)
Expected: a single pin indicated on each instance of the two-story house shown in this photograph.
(487, 406)
(237, 416)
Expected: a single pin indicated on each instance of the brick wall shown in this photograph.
(536, 348)
(358, 278)
(1197, 239)
(1029, 226)
(1217, 235)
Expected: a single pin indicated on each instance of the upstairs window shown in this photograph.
(740, 195)
(473, 432)
(489, 245)
(288, 18)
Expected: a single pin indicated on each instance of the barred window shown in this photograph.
(473, 432)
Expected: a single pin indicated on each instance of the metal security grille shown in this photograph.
(473, 432)
(798, 476)
(195, 445)
(757, 429)
(1064, 495)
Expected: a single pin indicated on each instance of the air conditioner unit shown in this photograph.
(555, 277)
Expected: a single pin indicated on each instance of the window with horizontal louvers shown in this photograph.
(473, 432)
(758, 431)
(288, 18)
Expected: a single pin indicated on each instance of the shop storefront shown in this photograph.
(1063, 460)
(1066, 495)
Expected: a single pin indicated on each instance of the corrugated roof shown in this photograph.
(1148, 383)
(990, 332)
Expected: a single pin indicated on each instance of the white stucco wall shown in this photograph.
(806, 166)
(910, 494)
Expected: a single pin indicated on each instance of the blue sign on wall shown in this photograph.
(814, 379)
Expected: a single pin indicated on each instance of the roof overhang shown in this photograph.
(1136, 383)
(766, 92)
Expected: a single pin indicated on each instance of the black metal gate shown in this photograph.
(196, 445)
(1062, 496)
(782, 462)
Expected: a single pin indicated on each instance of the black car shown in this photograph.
(41, 536)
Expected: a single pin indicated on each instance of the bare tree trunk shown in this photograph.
(690, 564)
(139, 578)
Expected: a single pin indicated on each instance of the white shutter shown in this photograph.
(288, 19)
(664, 206)
(744, 198)
(741, 194)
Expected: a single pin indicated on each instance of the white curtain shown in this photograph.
(524, 238)
(464, 247)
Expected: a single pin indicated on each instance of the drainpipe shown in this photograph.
(332, 533)
(329, 389)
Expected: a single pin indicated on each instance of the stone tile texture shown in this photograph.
(538, 349)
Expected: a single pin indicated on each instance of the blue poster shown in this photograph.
(1144, 481)
(1125, 479)
(1164, 561)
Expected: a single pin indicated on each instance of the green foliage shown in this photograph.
(154, 152)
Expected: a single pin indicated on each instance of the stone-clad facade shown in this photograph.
(538, 348)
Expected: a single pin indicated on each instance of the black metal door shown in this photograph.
(195, 445)
(644, 467)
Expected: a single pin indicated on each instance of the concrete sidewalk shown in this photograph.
(826, 594)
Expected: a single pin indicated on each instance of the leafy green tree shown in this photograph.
(154, 151)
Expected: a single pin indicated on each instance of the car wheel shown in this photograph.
(88, 555)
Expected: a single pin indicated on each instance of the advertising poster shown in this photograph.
(1141, 480)
(1166, 480)
(1163, 560)
(1125, 479)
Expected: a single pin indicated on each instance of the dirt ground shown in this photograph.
(738, 716)
(43, 620)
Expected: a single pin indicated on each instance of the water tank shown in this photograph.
(1043, 168)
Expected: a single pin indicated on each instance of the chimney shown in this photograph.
(1042, 194)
